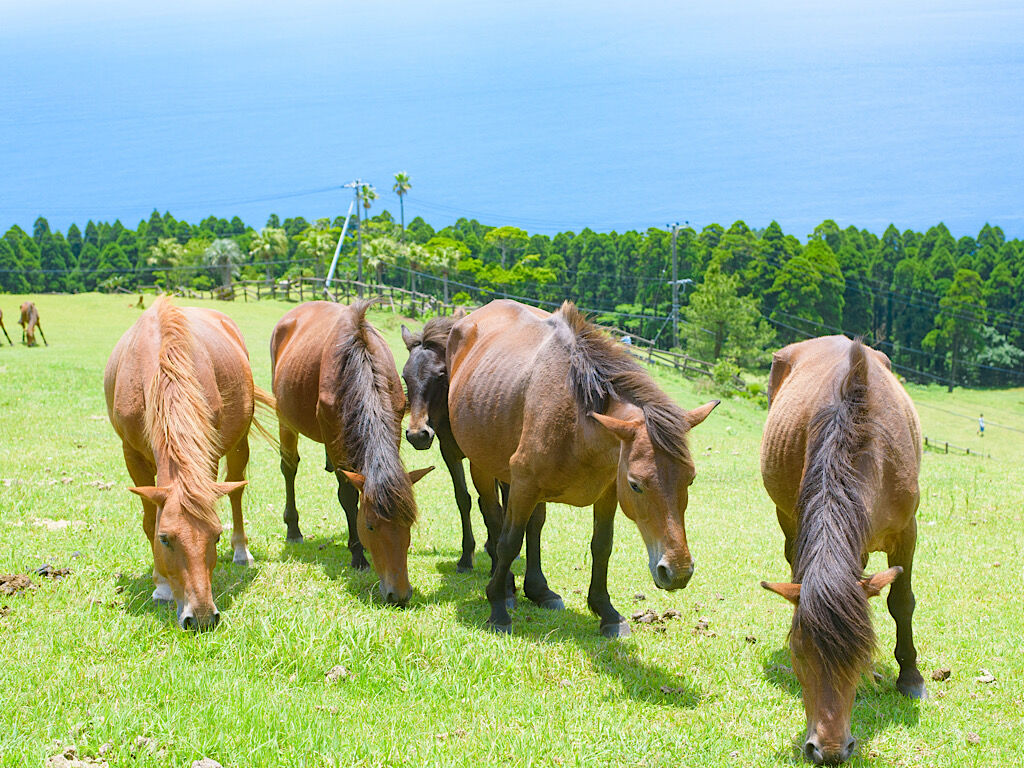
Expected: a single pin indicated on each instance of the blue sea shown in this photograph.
(548, 116)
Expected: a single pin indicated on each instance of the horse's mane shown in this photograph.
(833, 524)
(600, 369)
(179, 421)
(434, 333)
(371, 444)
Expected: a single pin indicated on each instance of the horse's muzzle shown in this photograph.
(420, 439)
(668, 578)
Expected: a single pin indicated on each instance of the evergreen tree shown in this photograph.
(959, 322)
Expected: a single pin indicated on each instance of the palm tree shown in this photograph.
(379, 252)
(418, 257)
(367, 194)
(269, 246)
(317, 246)
(402, 185)
(447, 253)
(224, 255)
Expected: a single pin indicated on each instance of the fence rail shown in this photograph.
(942, 446)
(416, 304)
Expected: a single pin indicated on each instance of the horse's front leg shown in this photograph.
(612, 622)
(453, 460)
(535, 584)
(521, 503)
(901, 604)
(348, 496)
(40, 327)
(237, 460)
(142, 474)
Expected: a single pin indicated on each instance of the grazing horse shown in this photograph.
(11, 343)
(550, 405)
(840, 458)
(180, 396)
(336, 383)
(29, 322)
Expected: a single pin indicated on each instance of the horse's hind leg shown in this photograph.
(453, 460)
(237, 461)
(535, 584)
(142, 475)
(612, 623)
(348, 496)
(9, 342)
(521, 503)
(40, 327)
(901, 606)
(289, 466)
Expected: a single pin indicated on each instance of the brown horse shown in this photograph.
(336, 383)
(840, 458)
(180, 396)
(11, 343)
(550, 405)
(29, 322)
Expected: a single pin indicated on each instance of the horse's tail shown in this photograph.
(266, 403)
(833, 525)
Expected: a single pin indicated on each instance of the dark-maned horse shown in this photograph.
(336, 383)
(29, 322)
(550, 405)
(2, 328)
(426, 381)
(840, 458)
(180, 396)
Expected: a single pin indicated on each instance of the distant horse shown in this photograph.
(11, 343)
(29, 322)
(336, 383)
(426, 381)
(550, 405)
(180, 396)
(840, 458)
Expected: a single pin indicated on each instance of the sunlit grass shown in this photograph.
(89, 660)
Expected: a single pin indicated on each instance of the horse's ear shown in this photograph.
(876, 582)
(418, 474)
(355, 478)
(624, 430)
(223, 489)
(459, 313)
(785, 589)
(697, 415)
(408, 337)
(154, 493)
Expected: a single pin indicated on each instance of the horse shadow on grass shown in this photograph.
(229, 581)
(639, 679)
(877, 707)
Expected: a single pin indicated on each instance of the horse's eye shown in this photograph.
(635, 486)
(165, 540)
(217, 539)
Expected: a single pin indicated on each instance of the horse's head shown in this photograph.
(653, 491)
(828, 689)
(386, 535)
(426, 380)
(185, 551)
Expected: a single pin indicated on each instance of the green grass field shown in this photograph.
(89, 660)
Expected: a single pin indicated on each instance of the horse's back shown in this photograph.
(805, 379)
(508, 380)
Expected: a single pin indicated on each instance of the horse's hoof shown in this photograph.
(243, 557)
(360, 564)
(500, 629)
(551, 602)
(461, 567)
(912, 690)
(612, 631)
(295, 539)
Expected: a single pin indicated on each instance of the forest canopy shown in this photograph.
(942, 308)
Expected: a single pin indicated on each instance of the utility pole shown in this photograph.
(675, 287)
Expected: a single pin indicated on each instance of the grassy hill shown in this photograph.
(89, 661)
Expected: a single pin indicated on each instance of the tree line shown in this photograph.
(942, 308)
